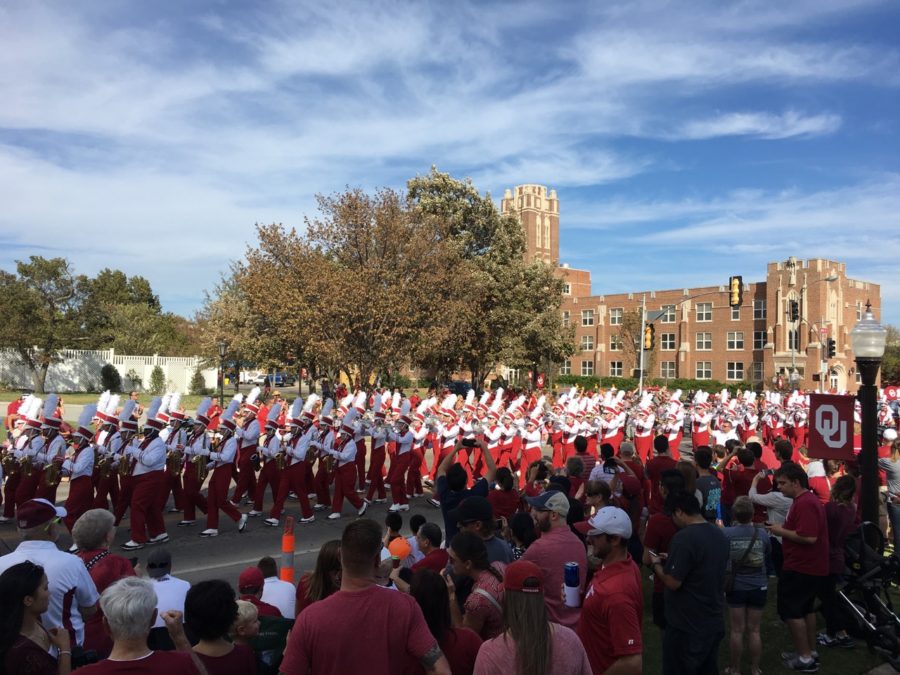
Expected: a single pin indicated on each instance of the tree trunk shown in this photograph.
(39, 377)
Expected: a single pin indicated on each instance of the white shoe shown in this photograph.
(4, 520)
(363, 509)
(131, 545)
(160, 539)
(73, 548)
(319, 507)
(380, 501)
(242, 523)
(234, 504)
(334, 516)
(311, 495)
(254, 514)
(399, 507)
(435, 503)
(307, 520)
(173, 510)
(418, 494)
(186, 523)
(271, 522)
(209, 533)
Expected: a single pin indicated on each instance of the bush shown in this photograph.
(157, 381)
(110, 378)
(198, 384)
(587, 382)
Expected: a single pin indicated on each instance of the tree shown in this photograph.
(890, 364)
(157, 381)
(110, 378)
(630, 341)
(198, 383)
(41, 313)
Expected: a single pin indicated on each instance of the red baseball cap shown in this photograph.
(523, 576)
(36, 512)
(252, 577)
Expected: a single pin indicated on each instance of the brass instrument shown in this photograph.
(52, 474)
(199, 462)
(10, 465)
(280, 460)
(27, 466)
(175, 462)
(103, 465)
(125, 464)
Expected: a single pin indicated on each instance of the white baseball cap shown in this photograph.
(608, 520)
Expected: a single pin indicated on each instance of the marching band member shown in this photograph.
(417, 461)
(673, 424)
(750, 418)
(531, 441)
(247, 437)
(404, 438)
(293, 477)
(447, 430)
(175, 437)
(465, 456)
(494, 432)
(53, 453)
(107, 442)
(80, 469)
(700, 419)
(323, 443)
(28, 444)
(377, 456)
(345, 473)
(643, 423)
(148, 480)
(197, 445)
(271, 454)
(220, 462)
(359, 437)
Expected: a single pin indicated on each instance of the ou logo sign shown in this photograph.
(831, 427)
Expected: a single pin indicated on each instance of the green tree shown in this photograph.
(890, 365)
(110, 378)
(41, 310)
(157, 381)
(198, 383)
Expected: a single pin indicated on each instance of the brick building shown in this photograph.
(698, 335)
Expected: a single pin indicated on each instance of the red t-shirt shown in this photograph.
(655, 468)
(807, 518)
(821, 488)
(460, 646)
(152, 664)
(660, 530)
(109, 569)
(389, 622)
(215, 416)
(13, 409)
(435, 561)
(741, 478)
(505, 503)
(612, 615)
(551, 552)
(262, 608)
(239, 661)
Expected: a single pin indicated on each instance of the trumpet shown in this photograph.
(477, 429)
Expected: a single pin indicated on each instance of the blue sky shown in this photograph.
(687, 141)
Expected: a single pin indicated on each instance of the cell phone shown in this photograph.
(652, 552)
(468, 443)
(768, 472)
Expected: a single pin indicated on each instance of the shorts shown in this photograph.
(797, 594)
(755, 598)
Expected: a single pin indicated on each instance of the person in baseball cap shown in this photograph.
(610, 520)
(476, 514)
(551, 500)
(37, 512)
(250, 587)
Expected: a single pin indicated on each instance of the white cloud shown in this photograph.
(787, 125)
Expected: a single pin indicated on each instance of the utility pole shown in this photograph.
(641, 337)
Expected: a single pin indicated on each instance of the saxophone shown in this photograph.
(199, 462)
(27, 466)
(174, 461)
(51, 474)
(10, 465)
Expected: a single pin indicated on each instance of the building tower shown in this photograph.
(538, 211)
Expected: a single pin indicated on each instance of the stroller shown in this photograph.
(865, 596)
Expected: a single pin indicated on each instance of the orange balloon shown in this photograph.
(400, 548)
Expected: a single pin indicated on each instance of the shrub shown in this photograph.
(110, 378)
(198, 383)
(157, 381)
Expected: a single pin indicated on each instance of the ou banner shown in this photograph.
(892, 393)
(831, 426)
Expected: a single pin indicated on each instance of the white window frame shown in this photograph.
(616, 315)
(707, 343)
(734, 341)
(567, 288)
(734, 371)
(587, 367)
(615, 368)
(704, 312)
(615, 343)
(565, 367)
(667, 370)
(759, 310)
(587, 317)
(587, 343)
(670, 338)
(566, 318)
(759, 339)
(756, 371)
(736, 313)
(669, 316)
(793, 339)
(703, 370)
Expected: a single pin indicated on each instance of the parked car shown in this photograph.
(283, 380)
(458, 387)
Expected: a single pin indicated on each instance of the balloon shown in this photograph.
(400, 548)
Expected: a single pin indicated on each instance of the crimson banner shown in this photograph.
(831, 426)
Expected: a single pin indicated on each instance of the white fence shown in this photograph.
(79, 370)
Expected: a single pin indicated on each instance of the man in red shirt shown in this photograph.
(662, 461)
(250, 587)
(391, 623)
(613, 611)
(12, 414)
(429, 539)
(805, 543)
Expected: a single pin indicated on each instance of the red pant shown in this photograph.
(699, 438)
(9, 493)
(322, 483)
(145, 513)
(246, 477)
(172, 484)
(28, 486)
(80, 499)
(292, 478)
(528, 456)
(126, 488)
(268, 475)
(345, 487)
(193, 500)
(376, 476)
(414, 476)
(45, 491)
(361, 463)
(218, 497)
(397, 476)
(107, 486)
(643, 445)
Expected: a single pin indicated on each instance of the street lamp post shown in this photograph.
(222, 347)
(868, 338)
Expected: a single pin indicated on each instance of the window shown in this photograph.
(565, 368)
(537, 238)
(587, 342)
(759, 309)
(858, 311)
(615, 316)
(704, 311)
(615, 369)
(669, 316)
(667, 369)
(587, 317)
(734, 370)
(615, 343)
(704, 342)
(667, 342)
(759, 339)
(756, 371)
(793, 340)
(587, 367)
(566, 318)
(567, 288)
(736, 313)
(735, 340)
(704, 370)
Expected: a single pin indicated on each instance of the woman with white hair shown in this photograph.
(129, 610)
(94, 532)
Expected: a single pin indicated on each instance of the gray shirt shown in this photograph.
(498, 550)
(891, 468)
(751, 574)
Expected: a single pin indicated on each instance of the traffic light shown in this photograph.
(649, 336)
(830, 348)
(794, 310)
(735, 291)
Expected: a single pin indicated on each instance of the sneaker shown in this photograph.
(173, 510)
(4, 520)
(790, 656)
(271, 522)
(307, 520)
(319, 507)
(209, 533)
(254, 513)
(434, 502)
(160, 539)
(311, 495)
(248, 502)
(802, 666)
(131, 545)
(73, 548)
(186, 523)
(334, 516)
(242, 523)
(418, 494)
(398, 507)
(234, 503)
(379, 501)
(363, 508)
(826, 640)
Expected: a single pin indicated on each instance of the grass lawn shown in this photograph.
(775, 639)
